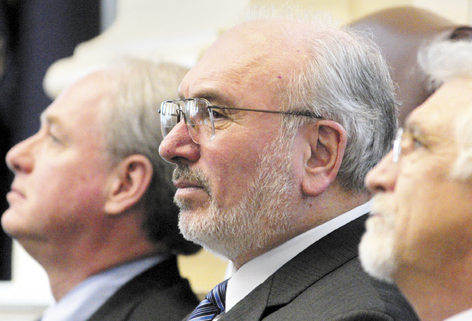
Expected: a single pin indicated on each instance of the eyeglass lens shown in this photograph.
(197, 117)
(170, 116)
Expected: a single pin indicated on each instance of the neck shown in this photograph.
(68, 266)
(336, 201)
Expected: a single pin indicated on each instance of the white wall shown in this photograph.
(459, 11)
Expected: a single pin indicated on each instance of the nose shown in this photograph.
(19, 158)
(178, 147)
(383, 176)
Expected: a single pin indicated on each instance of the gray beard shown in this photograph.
(264, 213)
(377, 247)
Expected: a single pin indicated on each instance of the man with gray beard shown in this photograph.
(276, 127)
(420, 232)
(267, 197)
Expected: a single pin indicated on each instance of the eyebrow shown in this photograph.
(415, 129)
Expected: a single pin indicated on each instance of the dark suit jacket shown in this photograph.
(325, 282)
(157, 294)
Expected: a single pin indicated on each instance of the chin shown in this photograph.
(8, 222)
(377, 256)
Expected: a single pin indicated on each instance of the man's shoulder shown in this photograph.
(172, 303)
(347, 293)
(331, 284)
(157, 294)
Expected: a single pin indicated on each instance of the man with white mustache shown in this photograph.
(419, 235)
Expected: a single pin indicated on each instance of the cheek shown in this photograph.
(417, 190)
(54, 210)
(62, 191)
(230, 169)
(232, 159)
(428, 221)
(229, 176)
(85, 184)
(411, 195)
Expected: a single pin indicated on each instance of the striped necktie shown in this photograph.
(212, 305)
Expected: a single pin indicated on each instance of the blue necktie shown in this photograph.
(212, 305)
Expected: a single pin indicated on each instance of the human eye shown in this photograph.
(54, 138)
(413, 142)
(417, 143)
(218, 113)
(52, 129)
(53, 134)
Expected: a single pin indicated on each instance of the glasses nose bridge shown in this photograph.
(194, 117)
(180, 114)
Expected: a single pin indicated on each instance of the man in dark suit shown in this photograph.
(91, 199)
(279, 122)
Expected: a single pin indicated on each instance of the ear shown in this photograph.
(129, 182)
(326, 141)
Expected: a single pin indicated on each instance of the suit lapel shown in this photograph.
(316, 261)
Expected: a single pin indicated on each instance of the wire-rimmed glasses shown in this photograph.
(200, 116)
(397, 146)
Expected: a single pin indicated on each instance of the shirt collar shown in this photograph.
(86, 298)
(464, 316)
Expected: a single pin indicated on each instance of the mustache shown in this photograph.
(384, 205)
(184, 172)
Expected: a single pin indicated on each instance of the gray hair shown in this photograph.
(348, 81)
(132, 126)
(444, 61)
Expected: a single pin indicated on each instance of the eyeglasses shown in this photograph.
(202, 118)
(397, 145)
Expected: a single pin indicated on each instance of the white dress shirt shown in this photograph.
(86, 298)
(256, 271)
(463, 316)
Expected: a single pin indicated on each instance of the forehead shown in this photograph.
(255, 55)
(440, 111)
(81, 103)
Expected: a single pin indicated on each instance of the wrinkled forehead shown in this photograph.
(82, 102)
